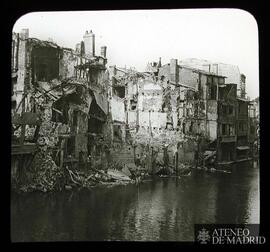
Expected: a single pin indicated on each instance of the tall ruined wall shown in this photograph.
(19, 64)
(22, 56)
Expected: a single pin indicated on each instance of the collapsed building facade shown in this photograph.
(192, 113)
(91, 115)
(65, 88)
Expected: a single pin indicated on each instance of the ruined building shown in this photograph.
(167, 115)
(195, 114)
(170, 106)
(232, 72)
(68, 87)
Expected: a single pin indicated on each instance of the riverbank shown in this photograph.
(45, 176)
(50, 178)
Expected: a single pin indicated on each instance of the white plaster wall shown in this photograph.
(118, 109)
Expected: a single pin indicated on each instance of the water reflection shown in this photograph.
(163, 209)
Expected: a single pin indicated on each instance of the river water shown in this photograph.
(164, 209)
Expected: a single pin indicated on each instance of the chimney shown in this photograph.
(174, 71)
(89, 43)
(24, 34)
(242, 86)
(82, 48)
(103, 50)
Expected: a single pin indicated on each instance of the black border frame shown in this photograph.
(15, 9)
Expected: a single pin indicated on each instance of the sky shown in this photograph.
(136, 37)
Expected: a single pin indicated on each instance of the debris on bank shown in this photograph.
(46, 176)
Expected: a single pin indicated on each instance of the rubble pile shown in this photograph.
(46, 175)
(94, 177)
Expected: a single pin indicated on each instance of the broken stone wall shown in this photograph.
(68, 60)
